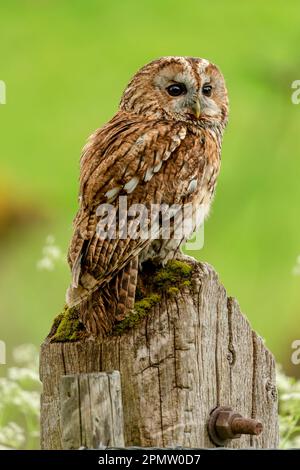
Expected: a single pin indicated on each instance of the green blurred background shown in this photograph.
(65, 64)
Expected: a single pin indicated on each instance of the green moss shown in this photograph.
(141, 309)
(157, 282)
(174, 274)
(172, 291)
(57, 321)
(167, 280)
(67, 326)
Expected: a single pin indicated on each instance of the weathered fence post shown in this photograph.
(91, 410)
(193, 351)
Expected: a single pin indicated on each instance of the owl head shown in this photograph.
(188, 89)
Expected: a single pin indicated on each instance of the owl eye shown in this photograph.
(176, 89)
(206, 90)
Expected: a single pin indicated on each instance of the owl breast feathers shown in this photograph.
(160, 153)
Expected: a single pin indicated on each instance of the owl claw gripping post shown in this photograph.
(162, 149)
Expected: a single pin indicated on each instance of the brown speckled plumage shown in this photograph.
(156, 150)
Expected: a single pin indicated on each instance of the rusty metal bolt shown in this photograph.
(225, 424)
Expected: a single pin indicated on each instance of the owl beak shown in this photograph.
(196, 109)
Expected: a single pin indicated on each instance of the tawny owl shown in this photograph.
(162, 149)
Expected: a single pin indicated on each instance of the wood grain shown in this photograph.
(91, 410)
(190, 354)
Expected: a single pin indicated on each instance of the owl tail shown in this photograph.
(97, 314)
(125, 284)
(76, 295)
(101, 307)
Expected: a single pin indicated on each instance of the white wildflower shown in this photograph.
(50, 240)
(291, 396)
(51, 253)
(27, 402)
(296, 268)
(289, 410)
(26, 355)
(20, 402)
(12, 435)
(45, 264)
(27, 378)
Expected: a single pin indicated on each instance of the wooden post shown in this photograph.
(194, 351)
(91, 410)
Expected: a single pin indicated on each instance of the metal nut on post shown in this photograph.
(225, 424)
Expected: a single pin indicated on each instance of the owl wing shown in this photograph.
(125, 157)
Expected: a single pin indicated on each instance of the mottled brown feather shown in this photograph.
(156, 147)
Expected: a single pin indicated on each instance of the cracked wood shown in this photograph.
(190, 354)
